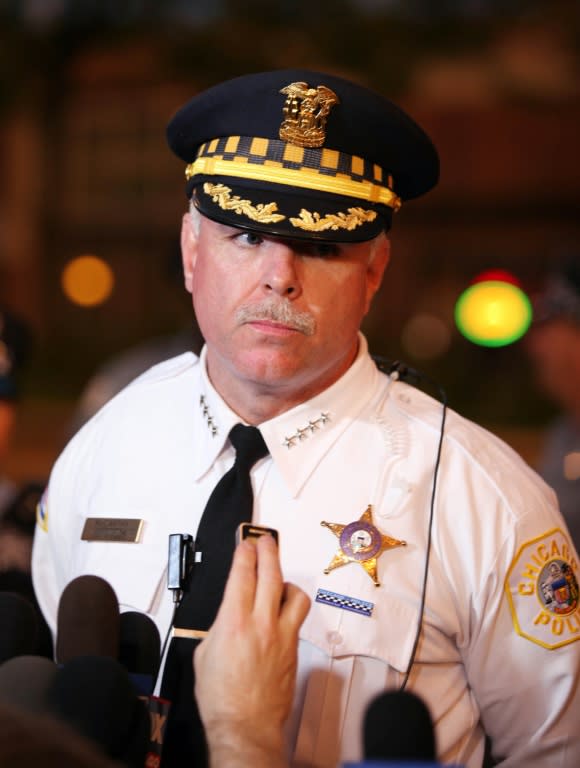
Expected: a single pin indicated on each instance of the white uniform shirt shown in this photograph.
(497, 649)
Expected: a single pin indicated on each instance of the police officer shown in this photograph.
(425, 545)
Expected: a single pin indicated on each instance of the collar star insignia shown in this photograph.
(207, 415)
(361, 542)
(302, 433)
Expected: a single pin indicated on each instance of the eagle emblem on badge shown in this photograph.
(305, 112)
(558, 587)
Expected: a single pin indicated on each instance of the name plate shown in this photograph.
(122, 529)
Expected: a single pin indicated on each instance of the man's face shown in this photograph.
(279, 316)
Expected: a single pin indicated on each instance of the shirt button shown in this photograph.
(334, 638)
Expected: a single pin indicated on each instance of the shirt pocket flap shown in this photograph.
(388, 633)
(134, 570)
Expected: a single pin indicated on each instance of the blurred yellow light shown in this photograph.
(87, 281)
(493, 313)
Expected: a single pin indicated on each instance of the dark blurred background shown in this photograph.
(87, 87)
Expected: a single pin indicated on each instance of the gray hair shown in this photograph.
(194, 217)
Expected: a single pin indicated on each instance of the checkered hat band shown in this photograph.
(278, 162)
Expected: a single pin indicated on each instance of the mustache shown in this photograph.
(278, 311)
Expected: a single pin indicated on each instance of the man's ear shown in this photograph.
(188, 250)
(376, 268)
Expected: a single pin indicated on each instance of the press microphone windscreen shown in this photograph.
(139, 644)
(19, 627)
(398, 726)
(94, 695)
(30, 742)
(87, 620)
(25, 682)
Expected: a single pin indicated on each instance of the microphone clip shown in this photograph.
(181, 557)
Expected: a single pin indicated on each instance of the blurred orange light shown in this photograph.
(87, 281)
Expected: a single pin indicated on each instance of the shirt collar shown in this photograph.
(214, 421)
(297, 439)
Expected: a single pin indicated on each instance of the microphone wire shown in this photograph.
(165, 642)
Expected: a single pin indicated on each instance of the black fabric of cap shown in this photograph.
(362, 123)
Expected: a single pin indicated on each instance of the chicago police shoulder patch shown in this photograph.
(542, 590)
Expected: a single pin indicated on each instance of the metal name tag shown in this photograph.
(124, 529)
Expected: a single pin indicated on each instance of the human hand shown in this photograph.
(245, 669)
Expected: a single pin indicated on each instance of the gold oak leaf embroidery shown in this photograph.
(263, 212)
(313, 222)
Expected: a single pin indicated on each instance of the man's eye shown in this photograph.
(326, 250)
(249, 238)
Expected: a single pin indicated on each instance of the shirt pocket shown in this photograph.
(134, 570)
(388, 634)
(346, 659)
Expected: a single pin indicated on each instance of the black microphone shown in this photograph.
(29, 741)
(87, 620)
(398, 726)
(140, 649)
(25, 682)
(19, 634)
(140, 654)
(95, 696)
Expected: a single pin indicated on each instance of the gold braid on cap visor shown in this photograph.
(268, 160)
(266, 213)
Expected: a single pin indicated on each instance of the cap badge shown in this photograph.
(305, 112)
(360, 542)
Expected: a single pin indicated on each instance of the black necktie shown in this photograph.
(230, 504)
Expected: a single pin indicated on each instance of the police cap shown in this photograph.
(301, 154)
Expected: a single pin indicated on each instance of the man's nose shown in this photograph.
(281, 273)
